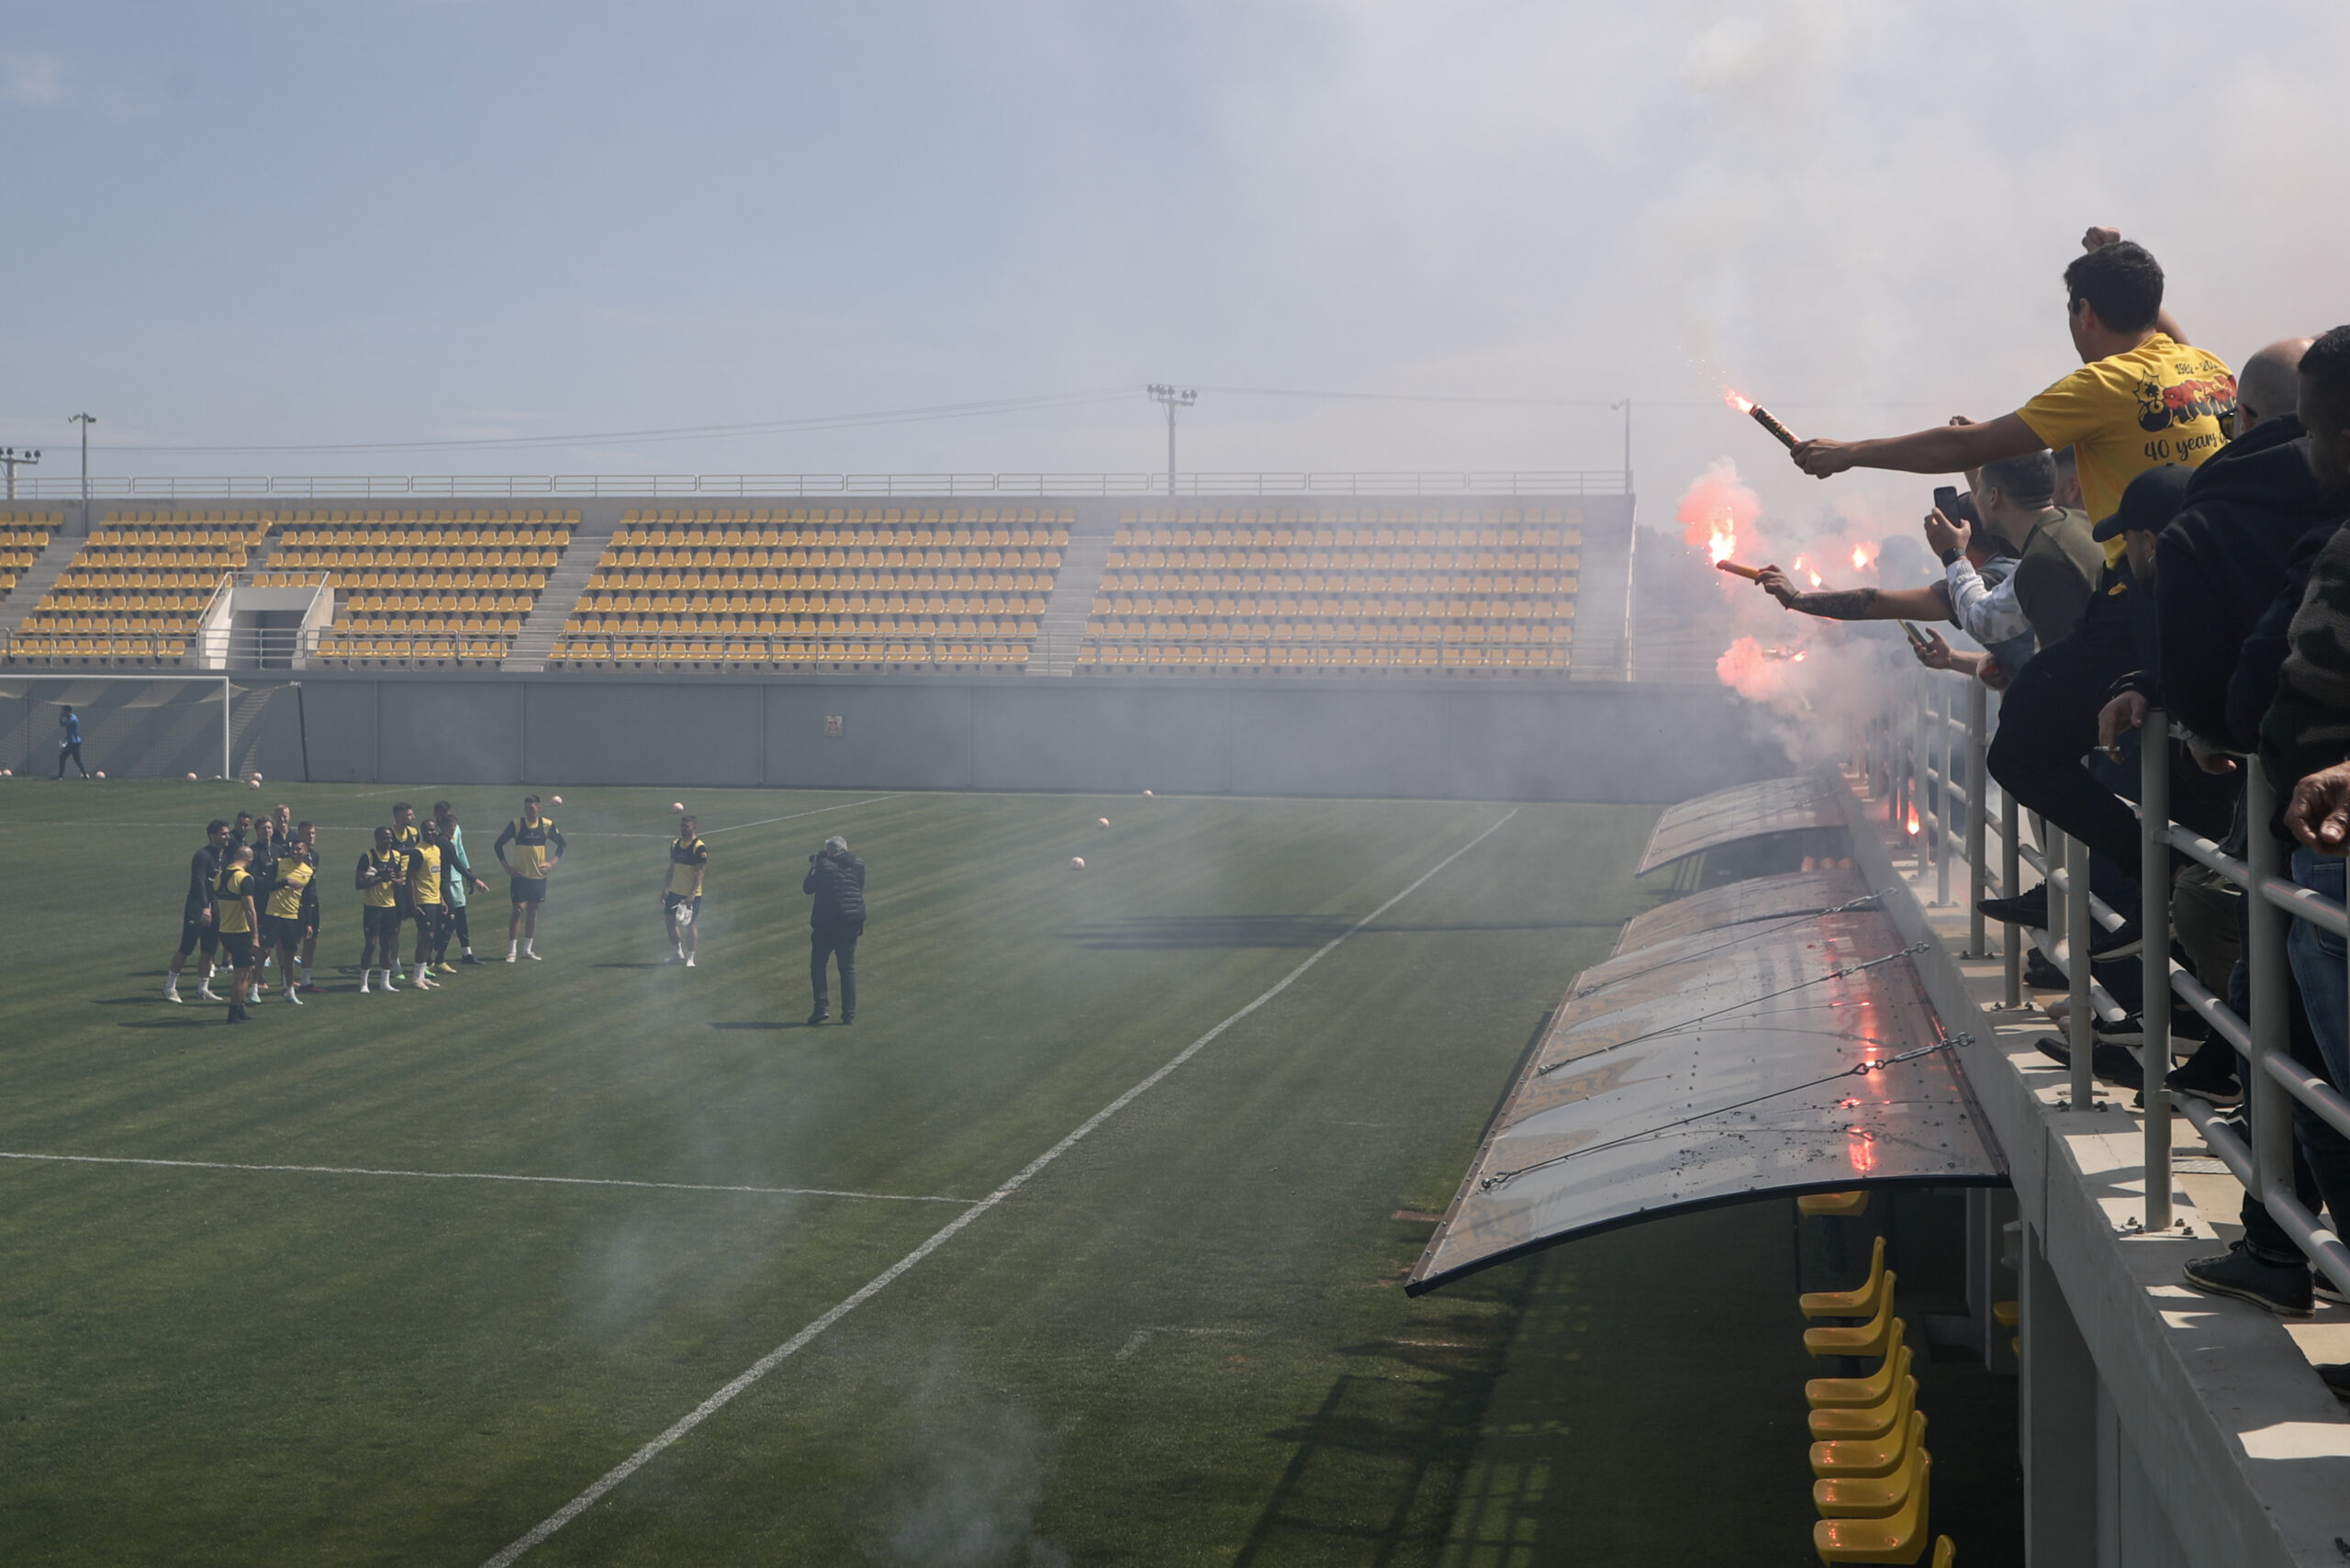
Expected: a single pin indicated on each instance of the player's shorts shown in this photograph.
(280, 931)
(529, 890)
(431, 919)
(194, 930)
(673, 901)
(308, 919)
(238, 947)
(379, 922)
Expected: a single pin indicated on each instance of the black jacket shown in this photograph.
(838, 882)
(2220, 565)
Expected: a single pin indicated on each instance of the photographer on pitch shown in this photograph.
(837, 921)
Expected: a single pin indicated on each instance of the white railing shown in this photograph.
(1918, 768)
(630, 487)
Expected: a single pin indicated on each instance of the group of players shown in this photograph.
(253, 898)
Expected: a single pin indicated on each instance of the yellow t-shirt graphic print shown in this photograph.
(2162, 402)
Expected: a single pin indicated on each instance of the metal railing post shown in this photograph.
(2154, 918)
(1978, 807)
(2271, 1113)
(1917, 776)
(2080, 1023)
(2010, 878)
(1945, 747)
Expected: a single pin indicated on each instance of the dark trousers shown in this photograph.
(2048, 723)
(453, 919)
(839, 942)
(74, 750)
(2320, 1154)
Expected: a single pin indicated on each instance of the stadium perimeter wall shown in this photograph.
(1581, 741)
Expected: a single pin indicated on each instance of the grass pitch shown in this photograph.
(1184, 1341)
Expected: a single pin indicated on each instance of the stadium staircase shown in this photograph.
(36, 580)
(1061, 629)
(536, 640)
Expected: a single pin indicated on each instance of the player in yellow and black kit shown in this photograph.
(232, 915)
(681, 892)
(427, 901)
(404, 839)
(382, 871)
(537, 849)
(281, 926)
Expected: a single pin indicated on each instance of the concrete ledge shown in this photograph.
(2244, 1450)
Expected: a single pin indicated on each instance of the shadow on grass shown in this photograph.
(1380, 1464)
(176, 1021)
(1279, 930)
(656, 965)
(764, 1023)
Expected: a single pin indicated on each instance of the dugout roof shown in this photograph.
(1747, 811)
(1718, 1063)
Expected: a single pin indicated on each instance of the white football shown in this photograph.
(558, 800)
(677, 805)
(1103, 821)
(1076, 862)
(253, 783)
(191, 777)
(7, 773)
(1145, 794)
(102, 773)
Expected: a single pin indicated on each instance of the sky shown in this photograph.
(312, 224)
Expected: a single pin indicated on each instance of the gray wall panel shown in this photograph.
(431, 732)
(1587, 741)
(905, 736)
(595, 733)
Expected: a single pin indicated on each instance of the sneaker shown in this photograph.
(2213, 1088)
(236, 1015)
(2115, 1064)
(2186, 1025)
(847, 1018)
(2124, 943)
(530, 955)
(2041, 975)
(292, 998)
(469, 958)
(2030, 909)
(310, 988)
(689, 964)
(365, 989)
(816, 1017)
(172, 993)
(673, 959)
(510, 958)
(206, 994)
(2282, 1288)
(421, 983)
(444, 968)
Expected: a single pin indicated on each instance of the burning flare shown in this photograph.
(1914, 824)
(1743, 405)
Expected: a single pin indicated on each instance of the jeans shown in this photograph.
(2320, 1154)
(2319, 965)
(838, 943)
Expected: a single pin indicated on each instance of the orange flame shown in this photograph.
(1914, 824)
(1743, 405)
(1863, 553)
(1722, 539)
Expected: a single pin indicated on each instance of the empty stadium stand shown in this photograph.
(421, 587)
(871, 586)
(137, 586)
(23, 536)
(1301, 588)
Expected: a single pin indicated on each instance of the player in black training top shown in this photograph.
(266, 848)
(681, 892)
(195, 915)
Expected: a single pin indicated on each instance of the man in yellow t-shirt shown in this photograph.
(2143, 397)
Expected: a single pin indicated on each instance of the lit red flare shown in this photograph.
(1760, 416)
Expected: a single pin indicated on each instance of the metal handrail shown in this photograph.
(2273, 1080)
(1293, 482)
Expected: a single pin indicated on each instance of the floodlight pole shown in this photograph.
(85, 422)
(10, 456)
(1173, 399)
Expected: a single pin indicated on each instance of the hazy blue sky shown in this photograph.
(232, 224)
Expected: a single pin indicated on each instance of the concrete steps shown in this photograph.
(528, 653)
(1062, 626)
(37, 580)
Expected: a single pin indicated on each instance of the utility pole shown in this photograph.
(85, 422)
(1174, 400)
(12, 458)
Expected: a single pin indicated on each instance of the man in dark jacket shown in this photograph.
(838, 878)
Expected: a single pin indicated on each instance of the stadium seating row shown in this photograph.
(960, 651)
(23, 536)
(1353, 514)
(1197, 659)
(850, 517)
(822, 558)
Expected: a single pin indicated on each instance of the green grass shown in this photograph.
(1183, 1342)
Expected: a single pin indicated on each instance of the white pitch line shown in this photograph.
(487, 1176)
(879, 1282)
(819, 811)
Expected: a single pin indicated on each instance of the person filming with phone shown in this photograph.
(837, 921)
